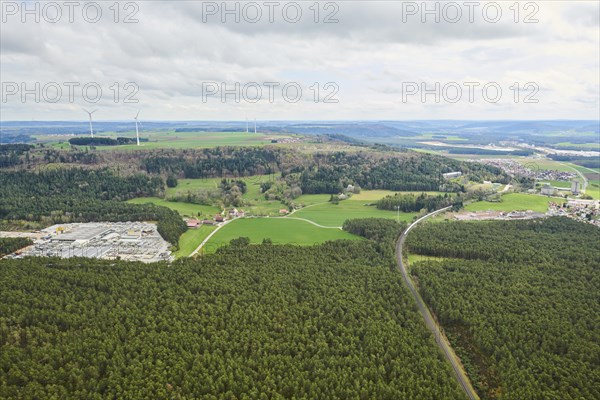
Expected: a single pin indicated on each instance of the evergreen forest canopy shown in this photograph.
(79, 195)
(10, 245)
(102, 141)
(519, 302)
(412, 203)
(249, 322)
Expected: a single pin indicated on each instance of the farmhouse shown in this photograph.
(193, 223)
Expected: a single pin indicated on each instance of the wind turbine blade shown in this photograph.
(137, 115)
(94, 111)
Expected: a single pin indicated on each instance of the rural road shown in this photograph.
(432, 325)
(209, 236)
(287, 216)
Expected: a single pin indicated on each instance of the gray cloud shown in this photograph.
(369, 53)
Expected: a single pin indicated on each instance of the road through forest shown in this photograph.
(432, 325)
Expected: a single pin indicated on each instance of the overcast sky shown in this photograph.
(372, 60)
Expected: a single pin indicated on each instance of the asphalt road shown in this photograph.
(432, 325)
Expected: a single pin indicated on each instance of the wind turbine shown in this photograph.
(246, 124)
(255, 125)
(90, 115)
(137, 132)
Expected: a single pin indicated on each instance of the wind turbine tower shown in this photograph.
(246, 124)
(254, 125)
(90, 115)
(137, 131)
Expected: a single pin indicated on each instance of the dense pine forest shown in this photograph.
(78, 195)
(10, 245)
(249, 322)
(519, 302)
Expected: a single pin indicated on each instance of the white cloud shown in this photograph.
(369, 54)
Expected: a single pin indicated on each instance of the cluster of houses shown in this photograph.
(580, 210)
(217, 218)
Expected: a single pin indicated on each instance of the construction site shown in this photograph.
(131, 241)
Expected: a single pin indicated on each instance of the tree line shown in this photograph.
(101, 141)
(411, 203)
(10, 245)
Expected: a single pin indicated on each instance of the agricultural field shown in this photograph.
(311, 199)
(330, 214)
(514, 202)
(184, 185)
(182, 140)
(559, 184)
(279, 230)
(184, 209)
(175, 140)
(191, 239)
(546, 163)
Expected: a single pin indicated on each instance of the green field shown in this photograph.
(190, 240)
(184, 209)
(186, 140)
(310, 199)
(559, 184)
(185, 185)
(593, 189)
(330, 214)
(514, 202)
(279, 230)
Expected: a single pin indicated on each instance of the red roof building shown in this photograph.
(193, 223)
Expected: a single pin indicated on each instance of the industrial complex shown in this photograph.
(132, 241)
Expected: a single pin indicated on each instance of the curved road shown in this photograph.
(432, 325)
